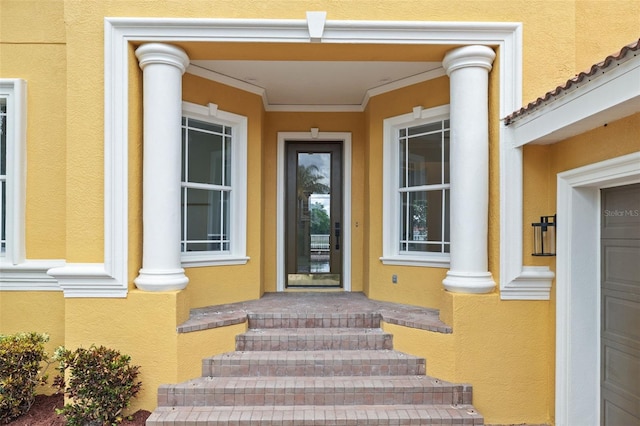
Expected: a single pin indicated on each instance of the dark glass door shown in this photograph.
(313, 214)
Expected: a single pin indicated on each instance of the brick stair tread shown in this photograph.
(297, 339)
(344, 357)
(370, 415)
(314, 319)
(249, 391)
(301, 332)
(314, 357)
(340, 383)
(310, 363)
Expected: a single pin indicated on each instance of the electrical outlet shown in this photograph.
(394, 279)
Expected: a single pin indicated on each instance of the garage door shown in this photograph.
(620, 322)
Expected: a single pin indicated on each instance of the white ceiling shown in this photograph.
(315, 83)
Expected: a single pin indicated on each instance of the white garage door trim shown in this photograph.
(578, 285)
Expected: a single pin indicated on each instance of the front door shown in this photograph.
(313, 223)
(620, 294)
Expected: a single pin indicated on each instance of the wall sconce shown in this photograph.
(544, 236)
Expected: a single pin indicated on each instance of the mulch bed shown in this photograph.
(42, 413)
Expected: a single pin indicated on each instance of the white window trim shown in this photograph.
(391, 213)
(15, 92)
(16, 272)
(237, 255)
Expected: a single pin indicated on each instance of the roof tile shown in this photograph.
(626, 52)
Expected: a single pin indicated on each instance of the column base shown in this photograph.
(161, 279)
(469, 282)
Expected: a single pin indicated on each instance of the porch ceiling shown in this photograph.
(320, 83)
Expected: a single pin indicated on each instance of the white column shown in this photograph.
(468, 69)
(162, 67)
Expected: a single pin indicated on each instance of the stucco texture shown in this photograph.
(41, 311)
(414, 285)
(496, 347)
(504, 348)
(40, 59)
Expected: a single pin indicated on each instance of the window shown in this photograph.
(3, 174)
(12, 168)
(213, 195)
(416, 188)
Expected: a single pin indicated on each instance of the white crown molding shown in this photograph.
(229, 81)
(399, 84)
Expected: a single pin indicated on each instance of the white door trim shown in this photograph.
(578, 285)
(345, 138)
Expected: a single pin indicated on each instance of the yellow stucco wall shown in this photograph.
(416, 285)
(215, 285)
(195, 346)
(76, 29)
(41, 311)
(613, 140)
(541, 165)
(143, 326)
(37, 54)
(623, 15)
(543, 162)
(39, 57)
(505, 349)
(498, 347)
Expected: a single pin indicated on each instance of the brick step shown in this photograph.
(313, 363)
(320, 415)
(301, 339)
(294, 391)
(315, 320)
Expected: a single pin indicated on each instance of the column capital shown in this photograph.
(468, 56)
(161, 53)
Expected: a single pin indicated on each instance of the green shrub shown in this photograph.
(101, 383)
(21, 356)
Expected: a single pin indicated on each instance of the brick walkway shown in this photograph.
(291, 308)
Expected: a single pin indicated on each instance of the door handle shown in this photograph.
(336, 233)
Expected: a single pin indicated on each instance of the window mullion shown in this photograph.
(185, 221)
(206, 186)
(442, 166)
(436, 187)
(224, 157)
(221, 236)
